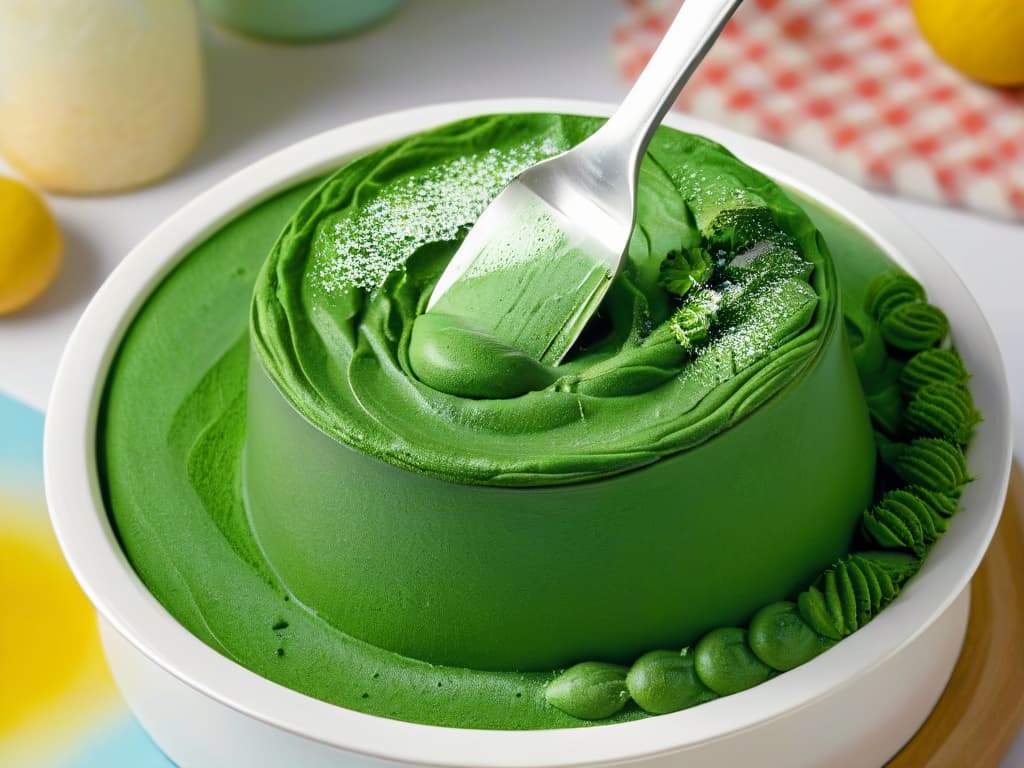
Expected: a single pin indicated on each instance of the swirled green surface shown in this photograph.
(335, 305)
(171, 432)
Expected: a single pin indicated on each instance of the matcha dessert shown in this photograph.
(749, 451)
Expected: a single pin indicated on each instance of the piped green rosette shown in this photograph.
(924, 416)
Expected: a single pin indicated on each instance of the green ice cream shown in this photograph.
(420, 483)
(335, 305)
(333, 317)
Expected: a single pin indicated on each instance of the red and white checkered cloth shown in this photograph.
(852, 84)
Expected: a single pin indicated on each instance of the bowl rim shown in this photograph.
(92, 550)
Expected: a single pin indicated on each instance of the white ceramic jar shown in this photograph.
(101, 95)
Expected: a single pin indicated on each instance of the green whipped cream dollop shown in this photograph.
(782, 638)
(890, 290)
(933, 463)
(914, 327)
(591, 690)
(942, 410)
(338, 312)
(725, 662)
(853, 591)
(933, 366)
(907, 519)
(666, 681)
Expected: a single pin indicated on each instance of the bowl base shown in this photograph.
(850, 727)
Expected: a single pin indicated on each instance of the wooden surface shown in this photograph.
(982, 709)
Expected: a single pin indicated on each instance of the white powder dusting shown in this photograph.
(434, 206)
(764, 291)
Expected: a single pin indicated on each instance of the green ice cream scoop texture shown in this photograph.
(904, 523)
(335, 310)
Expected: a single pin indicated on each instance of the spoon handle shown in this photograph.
(688, 39)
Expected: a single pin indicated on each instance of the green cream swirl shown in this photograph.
(914, 327)
(854, 590)
(942, 410)
(891, 290)
(930, 462)
(782, 638)
(905, 519)
(933, 366)
(335, 306)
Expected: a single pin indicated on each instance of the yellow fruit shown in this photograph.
(984, 39)
(30, 246)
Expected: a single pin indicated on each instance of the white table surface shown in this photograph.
(263, 97)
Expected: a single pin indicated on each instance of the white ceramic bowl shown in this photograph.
(857, 704)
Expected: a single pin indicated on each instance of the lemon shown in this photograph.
(984, 39)
(30, 246)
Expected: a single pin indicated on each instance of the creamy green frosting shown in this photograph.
(911, 518)
(891, 290)
(931, 462)
(905, 519)
(592, 690)
(453, 355)
(335, 312)
(782, 638)
(666, 681)
(853, 591)
(172, 428)
(943, 504)
(726, 664)
(691, 324)
(942, 410)
(933, 366)
(528, 281)
(914, 327)
(682, 271)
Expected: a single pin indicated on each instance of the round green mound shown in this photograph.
(334, 307)
(173, 424)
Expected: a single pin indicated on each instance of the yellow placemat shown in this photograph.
(58, 704)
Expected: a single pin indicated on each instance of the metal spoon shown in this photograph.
(583, 202)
